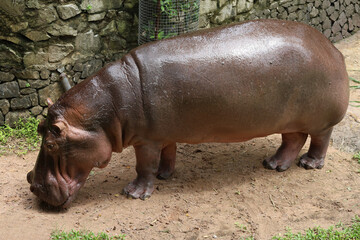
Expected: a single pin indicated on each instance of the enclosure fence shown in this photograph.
(160, 19)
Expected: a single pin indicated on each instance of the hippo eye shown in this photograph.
(50, 146)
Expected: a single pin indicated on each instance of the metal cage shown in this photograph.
(160, 19)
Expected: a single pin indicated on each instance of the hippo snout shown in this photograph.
(30, 176)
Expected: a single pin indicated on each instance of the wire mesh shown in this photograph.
(160, 19)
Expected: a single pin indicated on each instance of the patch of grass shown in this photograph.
(83, 235)
(20, 139)
(355, 81)
(357, 157)
(339, 232)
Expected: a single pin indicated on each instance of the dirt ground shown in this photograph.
(218, 190)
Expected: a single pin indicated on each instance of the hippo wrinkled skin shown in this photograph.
(228, 84)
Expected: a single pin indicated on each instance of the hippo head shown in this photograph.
(68, 152)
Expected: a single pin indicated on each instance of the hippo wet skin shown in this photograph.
(228, 84)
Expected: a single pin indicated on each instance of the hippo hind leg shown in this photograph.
(314, 158)
(167, 161)
(287, 152)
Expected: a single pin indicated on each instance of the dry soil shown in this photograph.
(218, 190)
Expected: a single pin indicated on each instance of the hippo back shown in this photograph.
(250, 79)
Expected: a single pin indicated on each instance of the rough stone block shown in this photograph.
(58, 52)
(207, 6)
(342, 19)
(327, 33)
(38, 83)
(23, 83)
(96, 17)
(2, 119)
(20, 103)
(19, 26)
(27, 91)
(223, 14)
(356, 20)
(9, 90)
(314, 12)
(91, 67)
(6, 77)
(327, 24)
(95, 6)
(350, 10)
(9, 57)
(68, 11)
(36, 110)
(334, 16)
(336, 28)
(35, 60)
(58, 30)
(37, 36)
(54, 77)
(52, 91)
(44, 74)
(88, 42)
(330, 10)
(244, 6)
(34, 99)
(337, 37)
(292, 9)
(27, 74)
(4, 106)
(322, 14)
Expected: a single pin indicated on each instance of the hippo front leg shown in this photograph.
(147, 158)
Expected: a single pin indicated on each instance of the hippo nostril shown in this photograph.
(32, 188)
(29, 177)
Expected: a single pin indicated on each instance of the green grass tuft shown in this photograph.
(339, 232)
(357, 157)
(20, 139)
(83, 235)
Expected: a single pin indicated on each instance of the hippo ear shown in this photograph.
(58, 127)
(40, 128)
(49, 102)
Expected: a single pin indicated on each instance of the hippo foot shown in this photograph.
(311, 163)
(138, 189)
(163, 175)
(274, 164)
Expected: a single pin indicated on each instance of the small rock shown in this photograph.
(36, 110)
(44, 74)
(54, 77)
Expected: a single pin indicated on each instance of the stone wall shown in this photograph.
(336, 19)
(39, 39)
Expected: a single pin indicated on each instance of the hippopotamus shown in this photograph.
(227, 84)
